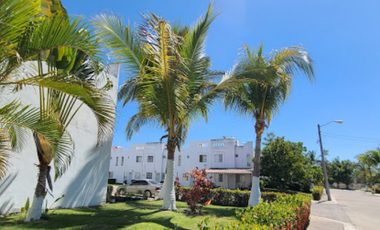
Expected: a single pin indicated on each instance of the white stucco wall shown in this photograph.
(84, 183)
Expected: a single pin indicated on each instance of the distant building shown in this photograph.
(229, 163)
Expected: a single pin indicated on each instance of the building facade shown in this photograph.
(225, 160)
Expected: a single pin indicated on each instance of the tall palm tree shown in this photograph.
(261, 99)
(56, 51)
(170, 80)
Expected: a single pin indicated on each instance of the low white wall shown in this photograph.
(84, 183)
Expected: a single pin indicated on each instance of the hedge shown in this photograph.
(227, 197)
(377, 188)
(285, 212)
(317, 192)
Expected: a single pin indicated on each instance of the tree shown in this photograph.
(260, 99)
(59, 54)
(171, 79)
(340, 171)
(371, 159)
(285, 165)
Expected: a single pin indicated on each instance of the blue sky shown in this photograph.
(341, 36)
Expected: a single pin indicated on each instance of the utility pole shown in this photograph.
(327, 186)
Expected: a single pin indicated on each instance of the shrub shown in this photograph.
(377, 188)
(109, 193)
(200, 194)
(285, 212)
(317, 192)
(227, 197)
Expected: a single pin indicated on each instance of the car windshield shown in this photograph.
(153, 182)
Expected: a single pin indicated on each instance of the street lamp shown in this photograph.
(323, 158)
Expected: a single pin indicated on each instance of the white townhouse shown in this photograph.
(228, 162)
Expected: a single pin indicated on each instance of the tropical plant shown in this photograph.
(371, 159)
(200, 194)
(261, 99)
(58, 54)
(170, 80)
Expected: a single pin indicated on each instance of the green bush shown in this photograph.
(377, 188)
(317, 192)
(284, 212)
(228, 197)
(109, 193)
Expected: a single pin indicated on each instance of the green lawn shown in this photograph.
(130, 215)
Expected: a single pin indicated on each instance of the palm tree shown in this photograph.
(261, 99)
(370, 159)
(171, 79)
(57, 52)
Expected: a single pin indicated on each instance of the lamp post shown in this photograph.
(327, 186)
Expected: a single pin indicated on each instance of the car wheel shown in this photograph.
(148, 194)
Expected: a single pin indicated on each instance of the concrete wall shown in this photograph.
(84, 183)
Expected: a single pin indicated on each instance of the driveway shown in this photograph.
(362, 208)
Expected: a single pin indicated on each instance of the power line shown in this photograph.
(352, 138)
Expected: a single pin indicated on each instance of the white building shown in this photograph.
(84, 183)
(229, 163)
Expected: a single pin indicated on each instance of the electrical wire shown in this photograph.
(350, 138)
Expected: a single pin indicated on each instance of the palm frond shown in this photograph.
(123, 41)
(15, 117)
(14, 18)
(55, 33)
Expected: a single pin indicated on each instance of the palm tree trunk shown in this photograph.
(370, 173)
(168, 186)
(255, 196)
(35, 210)
(44, 157)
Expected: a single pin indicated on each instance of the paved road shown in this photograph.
(362, 208)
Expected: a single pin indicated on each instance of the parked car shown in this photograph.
(150, 188)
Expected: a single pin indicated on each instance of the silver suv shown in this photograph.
(150, 188)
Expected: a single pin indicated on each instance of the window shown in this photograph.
(218, 157)
(220, 144)
(185, 177)
(150, 158)
(179, 160)
(110, 174)
(138, 158)
(140, 148)
(203, 145)
(249, 160)
(202, 158)
(117, 160)
(122, 161)
(149, 175)
(220, 177)
(151, 147)
(237, 178)
(137, 175)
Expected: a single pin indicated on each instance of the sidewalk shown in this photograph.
(328, 215)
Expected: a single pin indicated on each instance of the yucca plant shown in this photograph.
(170, 77)
(261, 99)
(47, 49)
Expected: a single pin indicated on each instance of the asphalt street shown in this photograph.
(348, 210)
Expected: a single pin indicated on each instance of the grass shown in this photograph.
(130, 215)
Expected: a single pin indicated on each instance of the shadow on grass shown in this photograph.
(92, 218)
(212, 210)
(145, 214)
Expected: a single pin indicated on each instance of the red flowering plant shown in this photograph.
(200, 194)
